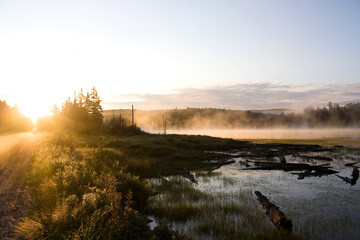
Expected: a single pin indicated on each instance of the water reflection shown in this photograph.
(319, 207)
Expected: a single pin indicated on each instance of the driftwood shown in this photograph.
(308, 158)
(309, 173)
(309, 170)
(188, 175)
(354, 175)
(220, 164)
(321, 158)
(278, 154)
(351, 164)
(276, 216)
(323, 168)
(162, 177)
(246, 164)
(281, 157)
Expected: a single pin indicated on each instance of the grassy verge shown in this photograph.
(82, 192)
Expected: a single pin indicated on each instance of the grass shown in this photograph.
(91, 186)
(211, 215)
(82, 192)
(149, 154)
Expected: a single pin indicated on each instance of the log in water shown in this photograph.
(276, 216)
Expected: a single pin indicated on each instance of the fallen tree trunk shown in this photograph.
(276, 216)
(162, 177)
(351, 164)
(189, 176)
(220, 164)
(317, 170)
(321, 158)
(354, 175)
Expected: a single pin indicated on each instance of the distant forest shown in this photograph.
(11, 120)
(333, 115)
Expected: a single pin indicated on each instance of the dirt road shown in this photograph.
(15, 153)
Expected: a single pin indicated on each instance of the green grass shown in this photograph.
(149, 154)
(211, 215)
(74, 182)
(82, 192)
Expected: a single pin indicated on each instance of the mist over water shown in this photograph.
(271, 133)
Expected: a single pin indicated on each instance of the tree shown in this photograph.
(95, 107)
(11, 120)
(82, 115)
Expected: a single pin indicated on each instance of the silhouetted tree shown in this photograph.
(95, 108)
(82, 115)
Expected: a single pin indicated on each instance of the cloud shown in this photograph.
(244, 96)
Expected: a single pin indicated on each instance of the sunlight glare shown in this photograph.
(34, 108)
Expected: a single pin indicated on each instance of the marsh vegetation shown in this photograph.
(108, 187)
(86, 179)
(319, 207)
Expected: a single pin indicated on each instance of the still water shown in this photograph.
(323, 207)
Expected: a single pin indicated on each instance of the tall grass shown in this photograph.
(211, 215)
(83, 193)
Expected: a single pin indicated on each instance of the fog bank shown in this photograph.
(265, 133)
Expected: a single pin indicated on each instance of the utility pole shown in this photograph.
(132, 115)
(113, 116)
(164, 124)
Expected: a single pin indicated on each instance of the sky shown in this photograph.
(166, 54)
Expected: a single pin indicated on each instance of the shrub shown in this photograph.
(71, 200)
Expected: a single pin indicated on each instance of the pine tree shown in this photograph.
(96, 109)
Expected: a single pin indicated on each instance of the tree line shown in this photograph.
(83, 114)
(332, 115)
(11, 120)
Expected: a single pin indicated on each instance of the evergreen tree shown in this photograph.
(82, 115)
(96, 109)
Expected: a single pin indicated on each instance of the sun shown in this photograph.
(34, 109)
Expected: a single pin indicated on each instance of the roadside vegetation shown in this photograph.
(81, 192)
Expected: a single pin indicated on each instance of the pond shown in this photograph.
(223, 204)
